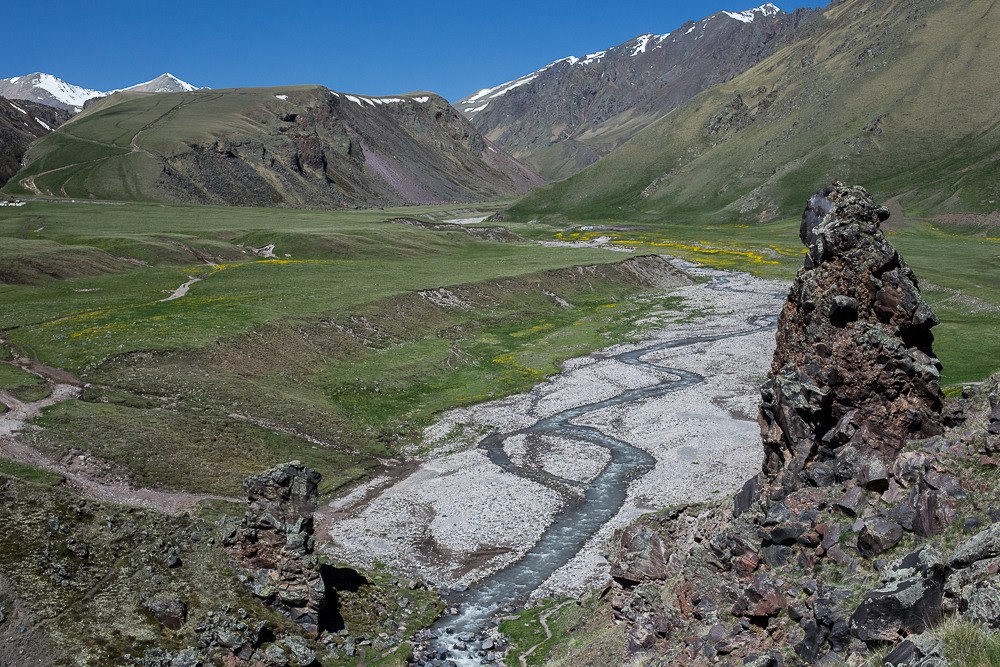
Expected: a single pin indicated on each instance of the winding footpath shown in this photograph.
(78, 476)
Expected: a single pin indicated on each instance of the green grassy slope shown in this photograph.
(328, 341)
(898, 95)
(304, 146)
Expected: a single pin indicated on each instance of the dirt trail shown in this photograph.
(80, 476)
(543, 620)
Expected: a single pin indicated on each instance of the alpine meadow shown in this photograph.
(678, 350)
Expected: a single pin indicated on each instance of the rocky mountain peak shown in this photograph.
(567, 114)
(854, 375)
(165, 83)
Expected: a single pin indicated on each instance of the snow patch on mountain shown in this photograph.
(376, 101)
(641, 43)
(749, 15)
(480, 100)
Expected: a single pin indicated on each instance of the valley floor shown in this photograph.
(459, 517)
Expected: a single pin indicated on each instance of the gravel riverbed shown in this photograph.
(457, 517)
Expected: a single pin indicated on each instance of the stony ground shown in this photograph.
(458, 517)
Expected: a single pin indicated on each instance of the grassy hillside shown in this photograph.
(897, 95)
(336, 350)
(303, 146)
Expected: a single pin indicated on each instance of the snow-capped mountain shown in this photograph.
(570, 112)
(47, 89)
(165, 83)
(53, 91)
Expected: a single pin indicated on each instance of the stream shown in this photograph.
(458, 639)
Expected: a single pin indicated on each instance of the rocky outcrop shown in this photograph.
(846, 542)
(275, 543)
(854, 376)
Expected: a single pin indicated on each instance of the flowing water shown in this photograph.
(580, 519)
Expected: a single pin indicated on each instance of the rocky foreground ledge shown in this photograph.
(876, 518)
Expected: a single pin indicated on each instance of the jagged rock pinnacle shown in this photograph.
(275, 543)
(854, 375)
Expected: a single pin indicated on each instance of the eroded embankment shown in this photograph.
(77, 472)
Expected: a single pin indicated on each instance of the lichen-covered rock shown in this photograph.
(638, 553)
(983, 545)
(275, 543)
(854, 376)
(924, 650)
(168, 610)
(902, 607)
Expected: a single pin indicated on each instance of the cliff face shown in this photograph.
(854, 376)
(871, 522)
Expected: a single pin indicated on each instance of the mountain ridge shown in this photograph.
(568, 114)
(302, 146)
(850, 102)
(55, 92)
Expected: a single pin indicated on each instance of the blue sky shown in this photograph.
(376, 47)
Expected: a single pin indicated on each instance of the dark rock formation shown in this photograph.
(854, 376)
(275, 543)
(879, 535)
